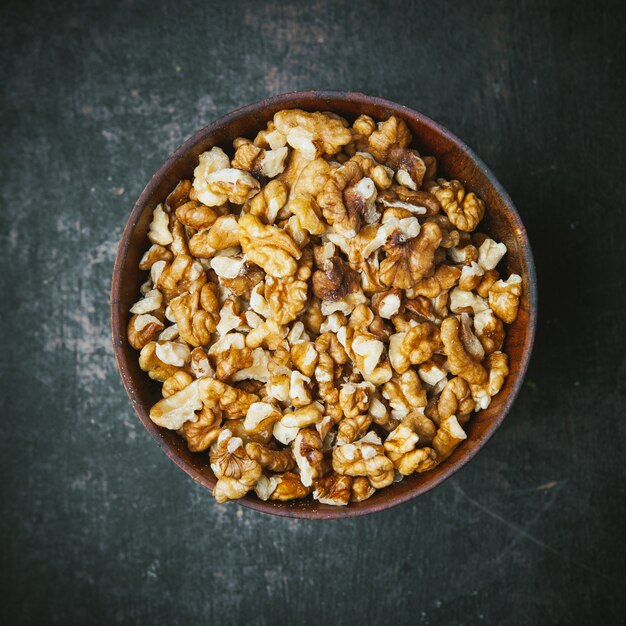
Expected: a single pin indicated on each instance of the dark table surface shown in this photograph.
(97, 525)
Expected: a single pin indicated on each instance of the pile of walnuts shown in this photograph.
(320, 310)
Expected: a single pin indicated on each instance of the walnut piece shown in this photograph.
(177, 381)
(182, 275)
(285, 297)
(149, 362)
(444, 278)
(460, 361)
(335, 280)
(504, 298)
(354, 399)
(205, 430)
(159, 232)
(489, 330)
(497, 365)
(259, 162)
(448, 437)
(387, 304)
(401, 447)
(404, 393)
(196, 315)
(333, 489)
(267, 204)
(305, 416)
(260, 419)
(268, 246)
(196, 215)
(413, 347)
(236, 472)
(223, 234)
(232, 401)
(471, 276)
(352, 428)
(463, 210)
(179, 196)
(490, 253)
(305, 357)
(307, 451)
(416, 202)
(268, 458)
(313, 133)
(154, 254)
(489, 279)
(172, 412)
(409, 260)
(143, 329)
(361, 489)
(390, 134)
(456, 399)
(215, 182)
(367, 353)
(365, 457)
(348, 199)
(283, 487)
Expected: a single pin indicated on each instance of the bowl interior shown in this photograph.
(455, 160)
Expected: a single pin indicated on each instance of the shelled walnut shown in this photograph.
(321, 312)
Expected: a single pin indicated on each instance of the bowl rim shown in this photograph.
(287, 99)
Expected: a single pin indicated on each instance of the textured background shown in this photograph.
(97, 526)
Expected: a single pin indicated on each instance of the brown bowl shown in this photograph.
(455, 160)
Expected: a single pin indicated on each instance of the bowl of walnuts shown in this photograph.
(323, 305)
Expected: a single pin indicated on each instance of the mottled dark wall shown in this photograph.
(97, 526)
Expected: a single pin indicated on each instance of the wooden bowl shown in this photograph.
(455, 160)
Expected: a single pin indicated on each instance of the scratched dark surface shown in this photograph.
(97, 525)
